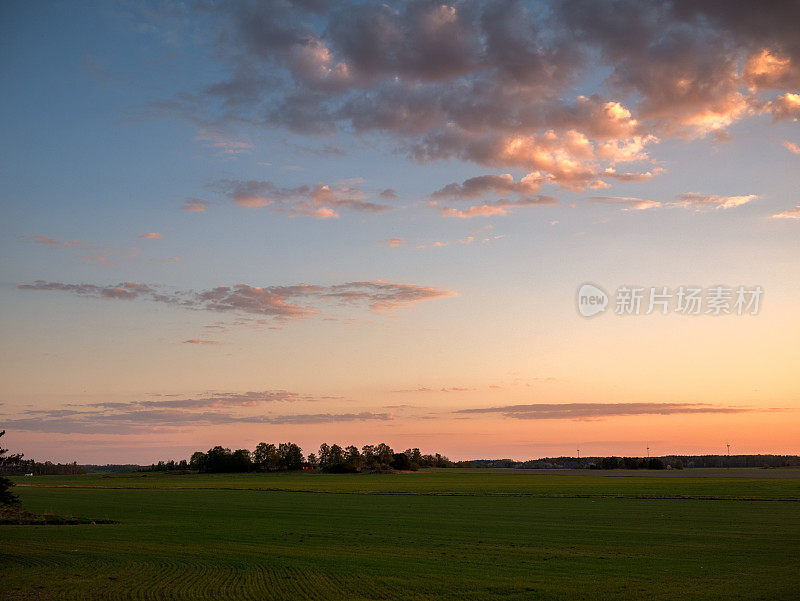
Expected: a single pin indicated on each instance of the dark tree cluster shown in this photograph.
(629, 463)
(373, 458)
(287, 456)
(46, 468)
(167, 466)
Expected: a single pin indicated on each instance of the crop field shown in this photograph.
(452, 534)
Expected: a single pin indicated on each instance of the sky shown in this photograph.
(359, 222)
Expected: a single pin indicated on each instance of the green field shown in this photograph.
(452, 534)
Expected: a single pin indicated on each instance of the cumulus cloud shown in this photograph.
(282, 303)
(501, 83)
(788, 214)
(322, 201)
(578, 411)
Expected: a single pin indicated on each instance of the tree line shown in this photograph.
(663, 462)
(288, 456)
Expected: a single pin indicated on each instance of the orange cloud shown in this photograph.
(151, 236)
(788, 214)
(791, 147)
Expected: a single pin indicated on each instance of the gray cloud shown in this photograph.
(278, 302)
(320, 200)
(148, 415)
(600, 410)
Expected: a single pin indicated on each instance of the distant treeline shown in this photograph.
(633, 463)
(287, 456)
(48, 468)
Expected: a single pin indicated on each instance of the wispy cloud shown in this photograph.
(279, 302)
(581, 411)
(322, 201)
(138, 417)
(788, 214)
(104, 260)
(627, 202)
(498, 207)
(791, 147)
(195, 205)
(151, 236)
(224, 144)
(54, 242)
(702, 201)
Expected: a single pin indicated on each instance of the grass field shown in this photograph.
(452, 534)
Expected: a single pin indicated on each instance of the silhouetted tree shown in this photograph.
(368, 455)
(353, 458)
(6, 496)
(266, 456)
(400, 461)
(384, 454)
(198, 461)
(240, 461)
(291, 456)
(415, 457)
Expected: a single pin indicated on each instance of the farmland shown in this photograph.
(450, 534)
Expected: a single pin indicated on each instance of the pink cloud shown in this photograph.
(195, 205)
(151, 236)
(54, 242)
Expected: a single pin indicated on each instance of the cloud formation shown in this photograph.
(701, 201)
(627, 202)
(136, 417)
(788, 214)
(54, 242)
(195, 205)
(599, 410)
(498, 207)
(279, 302)
(322, 201)
(501, 83)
